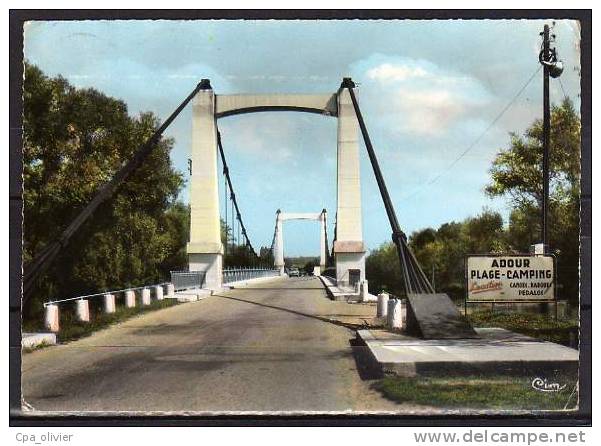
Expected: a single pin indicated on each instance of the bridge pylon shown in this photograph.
(205, 250)
(349, 250)
(278, 247)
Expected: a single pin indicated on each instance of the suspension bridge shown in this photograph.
(254, 329)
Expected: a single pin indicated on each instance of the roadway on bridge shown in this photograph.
(265, 347)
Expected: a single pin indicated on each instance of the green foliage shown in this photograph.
(266, 256)
(480, 392)
(71, 329)
(309, 266)
(240, 256)
(517, 171)
(177, 228)
(540, 326)
(515, 174)
(441, 254)
(40, 346)
(237, 255)
(383, 269)
(74, 141)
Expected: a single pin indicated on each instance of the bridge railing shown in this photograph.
(104, 293)
(185, 280)
(82, 304)
(237, 274)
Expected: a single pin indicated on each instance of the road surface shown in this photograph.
(261, 348)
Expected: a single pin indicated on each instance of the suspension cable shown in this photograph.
(36, 267)
(226, 171)
(275, 233)
(325, 230)
(415, 280)
(235, 240)
(335, 235)
(225, 211)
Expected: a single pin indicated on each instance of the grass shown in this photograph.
(500, 392)
(72, 329)
(39, 346)
(535, 325)
(478, 392)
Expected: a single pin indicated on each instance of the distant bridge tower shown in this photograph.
(205, 250)
(278, 247)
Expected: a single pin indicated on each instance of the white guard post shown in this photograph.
(109, 303)
(83, 310)
(51, 318)
(382, 308)
(130, 299)
(145, 296)
(158, 292)
(395, 314)
(170, 290)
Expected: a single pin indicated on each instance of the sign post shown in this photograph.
(509, 278)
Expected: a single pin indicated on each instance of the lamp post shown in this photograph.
(553, 68)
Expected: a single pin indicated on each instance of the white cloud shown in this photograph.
(419, 97)
(427, 111)
(389, 72)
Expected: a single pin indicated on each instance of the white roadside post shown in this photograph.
(158, 292)
(389, 312)
(364, 287)
(109, 303)
(51, 318)
(395, 314)
(403, 314)
(83, 310)
(145, 296)
(382, 308)
(170, 290)
(130, 299)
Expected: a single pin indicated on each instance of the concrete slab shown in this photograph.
(32, 340)
(339, 294)
(496, 351)
(242, 283)
(192, 295)
(435, 316)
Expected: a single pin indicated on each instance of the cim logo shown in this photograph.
(542, 385)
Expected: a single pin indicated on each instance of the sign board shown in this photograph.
(510, 278)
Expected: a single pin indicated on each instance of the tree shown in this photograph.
(310, 266)
(517, 174)
(74, 140)
(383, 269)
(177, 228)
(266, 256)
(440, 252)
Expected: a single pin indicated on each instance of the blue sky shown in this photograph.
(427, 89)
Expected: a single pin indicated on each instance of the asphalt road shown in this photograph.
(265, 348)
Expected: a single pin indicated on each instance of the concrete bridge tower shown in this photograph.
(205, 250)
(349, 250)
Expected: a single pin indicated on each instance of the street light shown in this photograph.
(551, 67)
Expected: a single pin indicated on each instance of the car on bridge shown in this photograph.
(294, 272)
